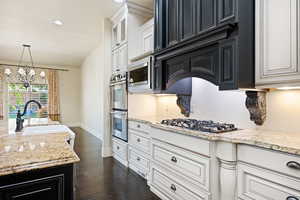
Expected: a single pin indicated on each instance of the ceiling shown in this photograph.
(30, 22)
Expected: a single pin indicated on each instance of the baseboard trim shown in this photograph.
(90, 130)
(107, 151)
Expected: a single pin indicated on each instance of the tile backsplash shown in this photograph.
(208, 103)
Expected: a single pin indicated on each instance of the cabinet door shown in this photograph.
(147, 39)
(123, 30)
(123, 58)
(227, 10)
(115, 36)
(187, 18)
(47, 189)
(160, 25)
(115, 60)
(172, 22)
(277, 41)
(206, 15)
(228, 70)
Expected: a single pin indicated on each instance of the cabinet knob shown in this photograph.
(292, 198)
(138, 159)
(138, 140)
(118, 147)
(174, 159)
(293, 165)
(138, 126)
(173, 187)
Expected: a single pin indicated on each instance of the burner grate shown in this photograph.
(200, 125)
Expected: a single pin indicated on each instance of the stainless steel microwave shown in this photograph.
(140, 76)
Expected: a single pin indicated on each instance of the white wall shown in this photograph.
(95, 76)
(70, 92)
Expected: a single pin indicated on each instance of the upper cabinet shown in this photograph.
(210, 39)
(147, 34)
(277, 43)
(125, 26)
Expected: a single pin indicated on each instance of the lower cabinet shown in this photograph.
(168, 187)
(261, 184)
(47, 184)
(120, 151)
(139, 162)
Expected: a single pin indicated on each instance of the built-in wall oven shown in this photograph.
(119, 106)
(119, 125)
(140, 76)
(118, 87)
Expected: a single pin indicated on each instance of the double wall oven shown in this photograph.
(119, 98)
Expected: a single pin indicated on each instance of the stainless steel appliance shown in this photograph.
(119, 95)
(119, 99)
(140, 76)
(119, 125)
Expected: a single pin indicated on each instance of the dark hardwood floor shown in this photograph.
(105, 179)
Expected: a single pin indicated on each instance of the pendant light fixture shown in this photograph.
(25, 73)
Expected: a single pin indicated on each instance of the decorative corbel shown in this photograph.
(256, 104)
(184, 103)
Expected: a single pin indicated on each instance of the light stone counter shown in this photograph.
(20, 153)
(280, 141)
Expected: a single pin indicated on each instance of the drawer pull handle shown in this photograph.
(138, 159)
(138, 140)
(139, 126)
(292, 198)
(293, 165)
(173, 187)
(174, 159)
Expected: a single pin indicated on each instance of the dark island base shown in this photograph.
(54, 183)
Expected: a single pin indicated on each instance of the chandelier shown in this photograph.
(25, 73)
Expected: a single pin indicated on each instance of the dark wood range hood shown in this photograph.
(208, 39)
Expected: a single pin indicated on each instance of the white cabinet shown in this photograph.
(120, 151)
(119, 32)
(147, 35)
(277, 42)
(139, 148)
(265, 174)
(123, 58)
(120, 59)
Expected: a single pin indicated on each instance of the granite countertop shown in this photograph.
(280, 141)
(20, 153)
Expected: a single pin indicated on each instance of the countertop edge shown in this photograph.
(224, 137)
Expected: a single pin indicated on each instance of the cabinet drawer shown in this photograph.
(138, 162)
(269, 159)
(261, 184)
(188, 164)
(120, 148)
(172, 189)
(139, 142)
(140, 127)
(138, 159)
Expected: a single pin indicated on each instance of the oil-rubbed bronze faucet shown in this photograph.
(19, 119)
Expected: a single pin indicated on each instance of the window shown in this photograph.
(18, 96)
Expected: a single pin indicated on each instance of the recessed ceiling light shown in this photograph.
(58, 22)
(119, 1)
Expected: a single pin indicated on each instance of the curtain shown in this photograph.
(1, 93)
(53, 95)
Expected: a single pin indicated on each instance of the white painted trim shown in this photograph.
(91, 130)
(107, 151)
(72, 124)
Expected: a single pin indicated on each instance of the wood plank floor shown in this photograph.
(105, 179)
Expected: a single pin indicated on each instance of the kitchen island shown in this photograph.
(35, 167)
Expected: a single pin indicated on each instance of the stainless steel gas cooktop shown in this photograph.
(200, 125)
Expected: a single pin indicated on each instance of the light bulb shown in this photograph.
(32, 72)
(21, 71)
(7, 72)
(43, 74)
